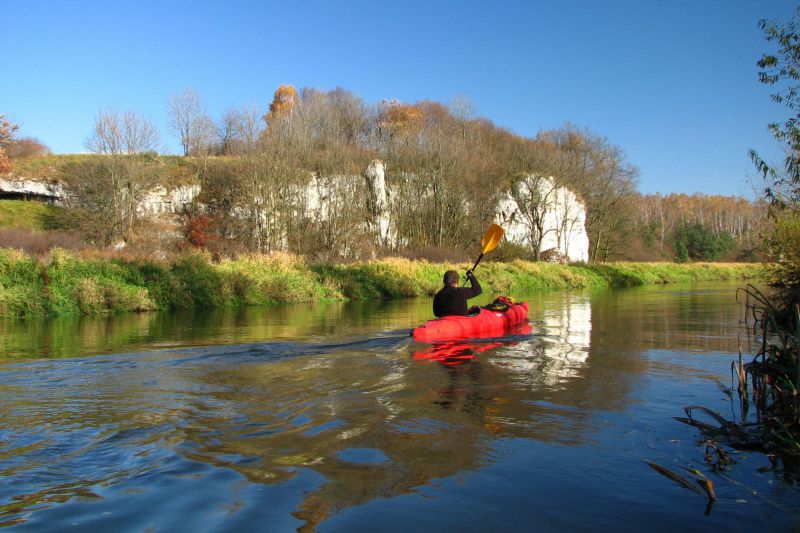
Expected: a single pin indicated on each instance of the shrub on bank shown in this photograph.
(384, 278)
(77, 284)
(22, 290)
(66, 282)
(260, 279)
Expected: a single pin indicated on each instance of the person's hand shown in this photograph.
(469, 273)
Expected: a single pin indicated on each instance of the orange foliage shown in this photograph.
(400, 117)
(283, 102)
(198, 230)
(7, 130)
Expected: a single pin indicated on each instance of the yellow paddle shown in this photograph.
(489, 241)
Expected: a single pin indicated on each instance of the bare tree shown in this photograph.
(597, 170)
(250, 126)
(106, 191)
(190, 123)
(536, 198)
(227, 132)
(464, 112)
(118, 134)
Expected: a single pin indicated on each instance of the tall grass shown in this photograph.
(66, 282)
(22, 285)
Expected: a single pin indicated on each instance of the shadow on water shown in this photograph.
(331, 416)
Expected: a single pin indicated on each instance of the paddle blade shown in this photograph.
(492, 238)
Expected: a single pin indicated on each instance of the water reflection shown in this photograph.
(70, 336)
(338, 409)
(563, 348)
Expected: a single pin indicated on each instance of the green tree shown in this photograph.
(782, 71)
(700, 243)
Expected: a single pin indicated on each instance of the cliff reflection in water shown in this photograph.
(561, 350)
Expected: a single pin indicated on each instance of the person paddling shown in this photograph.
(452, 299)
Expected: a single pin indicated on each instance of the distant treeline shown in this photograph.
(446, 166)
(681, 227)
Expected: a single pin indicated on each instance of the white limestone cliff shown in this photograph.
(540, 215)
(378, 202)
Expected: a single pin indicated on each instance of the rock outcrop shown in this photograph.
(378, 202)
(160, 200)
(540, 215)
(20, 188)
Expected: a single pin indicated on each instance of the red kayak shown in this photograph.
(464, 327)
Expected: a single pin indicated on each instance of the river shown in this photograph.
(329, 417)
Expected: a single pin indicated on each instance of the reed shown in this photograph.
(768, 384)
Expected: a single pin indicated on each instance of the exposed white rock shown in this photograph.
(537, 213)
(47, 191)
(325, 195)
(378, 202)
(160, 200)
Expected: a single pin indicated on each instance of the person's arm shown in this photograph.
(475, 287)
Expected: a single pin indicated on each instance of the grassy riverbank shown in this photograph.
(67, 283)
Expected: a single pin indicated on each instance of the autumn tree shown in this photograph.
(397, 120)
(733, 220)
(283, 102)
(445, 166)
(26, 147)
(7, 132)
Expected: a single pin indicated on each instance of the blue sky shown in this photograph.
(673, 83)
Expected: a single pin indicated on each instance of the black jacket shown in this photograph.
(453, 300)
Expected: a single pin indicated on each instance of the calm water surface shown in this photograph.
(328, 417)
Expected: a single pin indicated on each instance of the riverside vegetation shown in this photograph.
(64, 282)
(769, 383)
